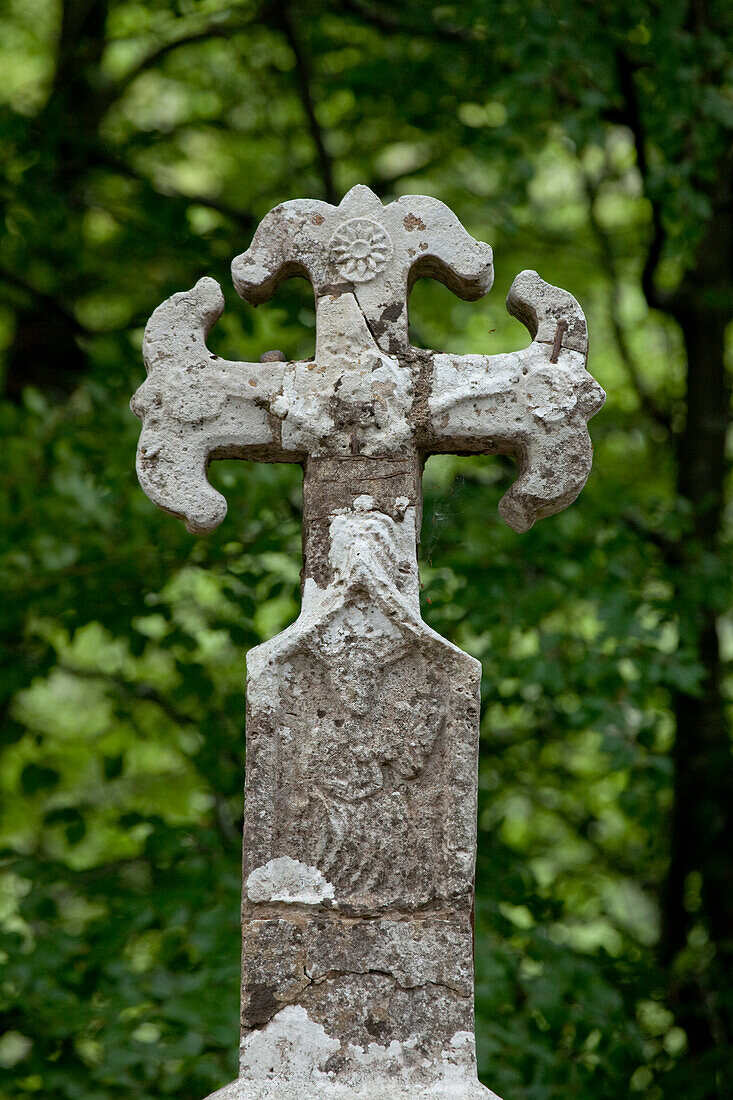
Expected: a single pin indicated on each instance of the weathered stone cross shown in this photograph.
(362, 722)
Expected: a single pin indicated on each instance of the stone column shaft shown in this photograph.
(360, 809)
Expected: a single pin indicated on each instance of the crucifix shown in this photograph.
(362, 722)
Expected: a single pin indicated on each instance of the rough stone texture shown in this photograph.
(362, 723)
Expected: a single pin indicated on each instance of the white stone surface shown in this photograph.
(194, 404)
(288, 880)
(362, 390)
(351, 386)
(370, 650)
(291, 1055)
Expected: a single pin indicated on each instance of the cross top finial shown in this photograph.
(367, 392)
(372, 251)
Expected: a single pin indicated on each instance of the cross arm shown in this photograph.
(196, 406)
(533, 404)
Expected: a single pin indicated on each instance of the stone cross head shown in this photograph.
(362, 722)
(367, 392)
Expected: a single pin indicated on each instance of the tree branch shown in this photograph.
(630, 116)
(244, 219)
(654, 411)
(220, 29)
(153, 58)
(141, 691)
(302, 69)
(48, 300)
(388, 23)
(669, 548)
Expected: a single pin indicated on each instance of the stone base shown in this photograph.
(293, 1058)
(379, 1088)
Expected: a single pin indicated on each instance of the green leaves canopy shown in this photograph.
(142, 142)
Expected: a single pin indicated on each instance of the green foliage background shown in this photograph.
(141, 142)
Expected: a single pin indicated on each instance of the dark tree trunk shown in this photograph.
(702, 815)
(45, 352)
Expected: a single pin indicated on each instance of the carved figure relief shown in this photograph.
(366, 773)
(362, 763)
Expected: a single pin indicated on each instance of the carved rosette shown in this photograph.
(360, 249)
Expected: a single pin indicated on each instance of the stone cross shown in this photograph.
(362, 722)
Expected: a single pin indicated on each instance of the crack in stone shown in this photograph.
(336, 972)
(264, 1002)
(352, 915)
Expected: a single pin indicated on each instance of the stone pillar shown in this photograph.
(362, 722)
(360, 811)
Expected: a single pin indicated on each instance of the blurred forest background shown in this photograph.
(141, 142)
